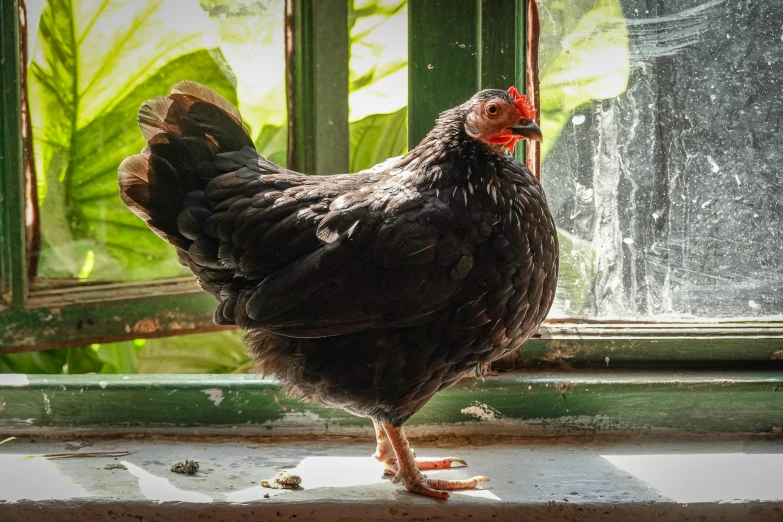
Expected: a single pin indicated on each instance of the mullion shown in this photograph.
(13, 235)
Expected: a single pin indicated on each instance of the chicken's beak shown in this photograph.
(529, 130)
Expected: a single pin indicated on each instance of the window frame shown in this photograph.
(481, 36)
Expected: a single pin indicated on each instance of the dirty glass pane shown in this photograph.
(92, 64)
(662, 156)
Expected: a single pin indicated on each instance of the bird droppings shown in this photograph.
(103, 384)
(481, 411)
(47, 404)
(188, 467)
(607, 360)
(283, 480)
(114, 466)
(215, 395)
(777, 355)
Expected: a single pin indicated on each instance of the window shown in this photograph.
(659, 163)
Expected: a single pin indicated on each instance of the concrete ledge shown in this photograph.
(577, 479)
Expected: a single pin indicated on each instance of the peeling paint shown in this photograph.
(16, 380)
(146, 325)
(47, 404)
(306, 418)
(481, 411)
(215, 395)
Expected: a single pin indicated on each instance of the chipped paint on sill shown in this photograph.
(16, 380)
(215, 395)
(481, 412)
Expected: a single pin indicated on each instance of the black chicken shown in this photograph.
(368, 291)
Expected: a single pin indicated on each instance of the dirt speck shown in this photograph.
(283, 480)
(75, 445)
(115, 465)
(188, 467)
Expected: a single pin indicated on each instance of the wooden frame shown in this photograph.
(13, 256)
(521, 404)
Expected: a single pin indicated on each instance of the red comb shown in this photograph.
(526, 109)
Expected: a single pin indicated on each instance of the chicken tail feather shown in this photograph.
(190, 134)
(165, 184)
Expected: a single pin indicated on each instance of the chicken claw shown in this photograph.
(406, 468)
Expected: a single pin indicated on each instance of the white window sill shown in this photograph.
(736, 478)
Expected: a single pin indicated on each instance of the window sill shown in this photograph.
(566, 479)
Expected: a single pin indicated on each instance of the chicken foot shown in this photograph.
(384, 452)
(411, 477)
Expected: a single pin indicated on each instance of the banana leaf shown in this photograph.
(93, 66)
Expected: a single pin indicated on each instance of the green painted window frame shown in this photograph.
(456, 47)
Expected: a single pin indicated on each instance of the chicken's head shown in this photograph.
(501, 118)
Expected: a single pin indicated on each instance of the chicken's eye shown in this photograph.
(492, 110)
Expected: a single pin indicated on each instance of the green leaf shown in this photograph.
(378, 73)
(272, 143)
(378, 137)
(50, 362)
(95, 63)
(220, 352)
(591, 63)
(577, 273)
(82, 359)
(120, 357)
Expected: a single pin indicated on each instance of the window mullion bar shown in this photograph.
(13, 263)
(443, 59)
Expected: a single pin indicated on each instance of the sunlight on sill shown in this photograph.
(340, 472)
(27, 477)
(720, 477)
(37, 479)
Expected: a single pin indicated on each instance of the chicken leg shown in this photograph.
(384, 452)
(408, 468)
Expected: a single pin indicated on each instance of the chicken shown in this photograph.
(369, 291)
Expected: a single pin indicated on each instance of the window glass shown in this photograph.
(378, 81)
(662, 157)
(92, 64)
